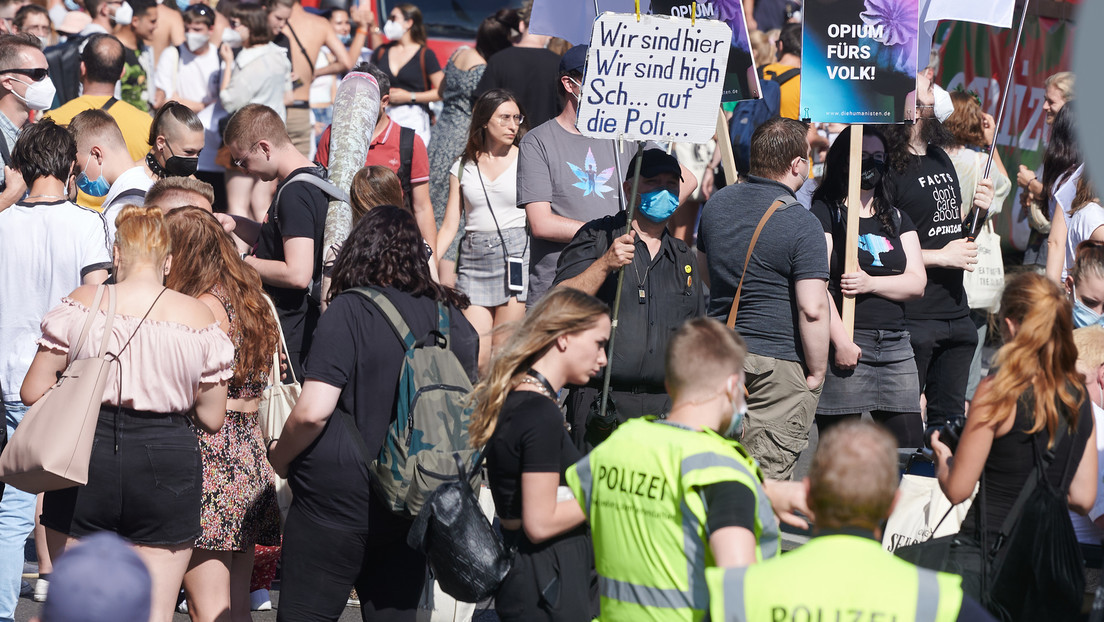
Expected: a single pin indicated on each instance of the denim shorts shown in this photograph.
(145, 482)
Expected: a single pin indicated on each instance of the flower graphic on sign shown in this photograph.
(590, 180)
(894, 25)
(897, 20)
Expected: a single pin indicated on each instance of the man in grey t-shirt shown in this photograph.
(564, 179)
(783, 312)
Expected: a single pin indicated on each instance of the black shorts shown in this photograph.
(553, 581)
(145, 482)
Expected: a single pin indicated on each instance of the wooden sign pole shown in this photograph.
(854, 207)
(724, 143)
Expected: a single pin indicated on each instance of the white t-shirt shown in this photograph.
(180, 73)
(45, 249)
(1083, 526)
(1081, 227)
(502, 191)
(322, 87)
(133, 179)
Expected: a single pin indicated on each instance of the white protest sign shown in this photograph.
(659, 78)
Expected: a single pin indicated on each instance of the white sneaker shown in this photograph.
(182, 607)
(260, 600)
(40, 588)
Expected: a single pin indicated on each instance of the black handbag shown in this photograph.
(466, 556)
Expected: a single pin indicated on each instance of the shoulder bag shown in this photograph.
(277, 400)
(779, 203)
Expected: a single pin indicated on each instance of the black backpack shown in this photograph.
(64, 61)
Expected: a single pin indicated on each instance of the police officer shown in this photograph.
(666, 498)
(660, 291)
(843, 572)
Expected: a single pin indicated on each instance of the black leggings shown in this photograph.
(906, 427)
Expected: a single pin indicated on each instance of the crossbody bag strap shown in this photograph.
(487, 197)
(778, 203)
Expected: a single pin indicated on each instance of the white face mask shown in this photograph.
(944, 107)
(231, 37)
(393, 31)
(196, 40)
(579, 97)
(40, 95)
(735, 427)
(124, 14)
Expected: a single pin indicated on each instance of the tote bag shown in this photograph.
(986, 283)
(52, 446)
(277, 400)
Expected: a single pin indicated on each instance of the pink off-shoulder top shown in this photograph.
(161, 369)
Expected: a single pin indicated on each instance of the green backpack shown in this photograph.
(431, 424)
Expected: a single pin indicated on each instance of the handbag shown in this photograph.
(465, 554)
(277, 400)
(985, 284)
(922, 512)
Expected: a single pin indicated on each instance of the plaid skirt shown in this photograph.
(481, 270)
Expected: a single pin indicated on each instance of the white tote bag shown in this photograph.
(922, 512)
(277, 400)
(986, 283)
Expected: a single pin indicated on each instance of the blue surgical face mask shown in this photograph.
(183, 4)
(72, 6)
(658, 205)
(93, 187)
(345, 39)
(1084, 316)
(735, 427)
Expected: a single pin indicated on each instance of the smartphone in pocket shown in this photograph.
(515, 266)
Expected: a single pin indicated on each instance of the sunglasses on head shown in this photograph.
(37, 74)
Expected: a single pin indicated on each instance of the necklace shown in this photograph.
(538, 380)
(46, 196)
(155, 168)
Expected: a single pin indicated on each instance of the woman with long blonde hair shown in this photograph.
(239, 497)
(1036, 389)
(561, 341)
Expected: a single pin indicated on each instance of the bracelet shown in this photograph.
(413, 98)
(268, 445)
(362, 31)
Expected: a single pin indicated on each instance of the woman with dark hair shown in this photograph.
(974, 130)
(561, 341)
(450, 135)
(495, 241)
(338, 534)
(874, 371)
(256, 71)
(412, 67)
(239, 498)
(1061, 168)
(1036, 401)
(145, 477)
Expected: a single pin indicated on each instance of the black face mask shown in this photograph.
(871, 173)
(180, 166)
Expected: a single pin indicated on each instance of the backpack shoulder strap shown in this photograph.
(324, 185)
(425, 76)
(406, 162)
(111, 101)
(786, 76)
(394, 318)
(779, 203)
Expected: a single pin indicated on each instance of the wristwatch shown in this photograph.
(413, 98)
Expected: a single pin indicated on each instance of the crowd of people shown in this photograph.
(165, 183)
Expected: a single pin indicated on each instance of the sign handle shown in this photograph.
(854, 207)
(724, 143)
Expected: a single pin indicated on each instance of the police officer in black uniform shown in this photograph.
(662, 289)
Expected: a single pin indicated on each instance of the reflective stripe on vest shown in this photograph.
(768, 538)
(586, 480)
(735, 610)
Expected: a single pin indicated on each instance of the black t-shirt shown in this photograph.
(356, 350)
(880, 254)
(672, 286)
(301, 214)
(929, 193)
(411, 75)
(531, 75)
(530, 437)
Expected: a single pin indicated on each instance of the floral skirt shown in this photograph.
(239, 495)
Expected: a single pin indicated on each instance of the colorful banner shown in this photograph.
(976, 59)
(741, 79)
(858, 60)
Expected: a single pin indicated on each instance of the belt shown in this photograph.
(299, 103)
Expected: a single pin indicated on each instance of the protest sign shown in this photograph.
(653, 78)
(741, 81)
(858, 60)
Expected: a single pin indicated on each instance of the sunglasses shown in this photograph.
(37, 74)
